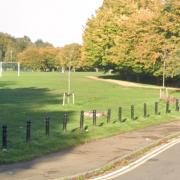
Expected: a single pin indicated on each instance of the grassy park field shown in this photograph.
(36, 95)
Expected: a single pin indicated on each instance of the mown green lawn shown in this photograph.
(37, 95)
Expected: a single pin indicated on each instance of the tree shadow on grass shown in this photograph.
(30, 96)
(20, 104)
(6, 83)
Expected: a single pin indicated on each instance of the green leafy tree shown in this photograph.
(7, 47)
(69, 55)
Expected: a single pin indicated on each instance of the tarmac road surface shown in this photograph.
(165, 166)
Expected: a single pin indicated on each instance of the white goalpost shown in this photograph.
(1, 67)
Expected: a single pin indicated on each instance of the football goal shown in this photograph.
(9, 66)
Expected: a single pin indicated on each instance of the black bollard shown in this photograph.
(145, 110)
(156, 108)
(65, 122)
(132, 112)
(4, 137)
(167, 108)
(120, 114)
(108, 115)
(47, 126)
(28, 131)
(82, 120)
(94, 117)
(177, 105)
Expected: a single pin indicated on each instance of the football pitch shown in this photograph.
(36, 95)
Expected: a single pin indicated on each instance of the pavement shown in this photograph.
(89, 156)
(164, 166)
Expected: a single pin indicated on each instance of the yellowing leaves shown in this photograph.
(131, 34)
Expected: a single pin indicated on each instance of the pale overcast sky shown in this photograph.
(59, 22)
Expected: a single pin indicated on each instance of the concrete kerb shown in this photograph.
(121, 161)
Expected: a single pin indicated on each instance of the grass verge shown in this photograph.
(37, 95)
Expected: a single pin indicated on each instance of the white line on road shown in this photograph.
(138, 162)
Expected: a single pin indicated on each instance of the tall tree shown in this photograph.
(131, 35)
(69, 55)
(7, 47)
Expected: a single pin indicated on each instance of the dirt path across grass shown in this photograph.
(88, 156)
(129, 84)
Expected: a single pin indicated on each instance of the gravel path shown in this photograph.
(129, 84)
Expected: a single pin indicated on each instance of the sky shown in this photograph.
(59, 22)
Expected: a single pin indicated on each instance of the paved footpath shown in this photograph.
(88, 156)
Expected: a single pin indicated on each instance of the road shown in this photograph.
(88, 156)
(165, 166)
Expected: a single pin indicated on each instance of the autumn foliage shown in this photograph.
(134, 37)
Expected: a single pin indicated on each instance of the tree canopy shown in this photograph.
(132, 36)
(40, 55)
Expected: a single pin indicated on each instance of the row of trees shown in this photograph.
(38, 55)
(134, 37)
(10, 47)
(50, 58)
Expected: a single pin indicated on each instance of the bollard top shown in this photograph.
(47, 118)
(65, 114)
(29, 121)
(4, 126)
